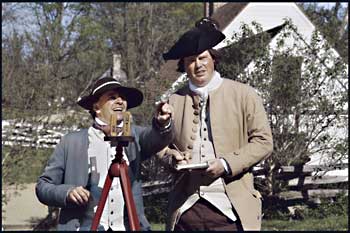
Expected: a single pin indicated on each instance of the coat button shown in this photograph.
(193, 137)
(235, 153)
(196, 112)
(196, 120)
(190, 146)
(194, 129)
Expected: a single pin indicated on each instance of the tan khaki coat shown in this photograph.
(241, 135)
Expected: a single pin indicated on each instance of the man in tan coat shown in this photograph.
(221, 123)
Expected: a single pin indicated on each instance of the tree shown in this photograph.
(304, 88)
(332, 23)
(304, 92)
(141, 32)
(62, 49)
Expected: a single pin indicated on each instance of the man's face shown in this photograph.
(108, 104)
(200, 68)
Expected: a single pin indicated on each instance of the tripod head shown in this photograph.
(125, 137)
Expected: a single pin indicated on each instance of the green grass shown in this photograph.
(158, 226)
(332, 223)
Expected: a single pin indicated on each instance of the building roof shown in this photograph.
(242, 49)
(226, 13)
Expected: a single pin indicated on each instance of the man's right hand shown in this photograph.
(178, 157)
(79, 196)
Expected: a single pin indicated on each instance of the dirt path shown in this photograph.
(23, 209)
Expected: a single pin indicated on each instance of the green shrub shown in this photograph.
(156, 208)
(274, 208)
(336, 207)
(23, 164)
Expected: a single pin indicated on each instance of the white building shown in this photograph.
(270, 16)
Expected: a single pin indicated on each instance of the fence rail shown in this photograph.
(31, 135)
(304, 182)
(308, 182)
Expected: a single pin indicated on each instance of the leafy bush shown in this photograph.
(273, 208)
(23, 164)
(156, 208)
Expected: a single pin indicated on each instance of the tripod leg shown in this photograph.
(102, 202)
(128, 197)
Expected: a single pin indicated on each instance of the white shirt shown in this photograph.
(100, 156)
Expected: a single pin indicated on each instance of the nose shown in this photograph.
(119, 100)
(198, 63)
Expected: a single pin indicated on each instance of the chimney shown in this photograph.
(116, 66)
(208, 9)
(117, 71)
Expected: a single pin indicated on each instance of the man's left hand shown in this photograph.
(215, 168)
(163, 114)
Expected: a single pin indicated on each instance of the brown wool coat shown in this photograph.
(241, 135)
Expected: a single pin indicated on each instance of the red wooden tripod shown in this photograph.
(118, 168)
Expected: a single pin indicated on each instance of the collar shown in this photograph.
(102, 126)
(99, 121)
(203, 92)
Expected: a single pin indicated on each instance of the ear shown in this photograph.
(96, 108)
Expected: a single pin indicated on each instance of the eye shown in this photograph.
(189, 60)
(122, 96)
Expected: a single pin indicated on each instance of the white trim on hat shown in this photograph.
(105, 84)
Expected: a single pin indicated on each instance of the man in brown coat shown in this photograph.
(219, 122)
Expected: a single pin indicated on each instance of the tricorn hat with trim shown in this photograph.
(195, 41)
(133, 96)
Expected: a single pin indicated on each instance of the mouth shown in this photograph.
(118, 109)
(200, 73)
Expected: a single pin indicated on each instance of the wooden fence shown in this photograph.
(313, 182)
(31, 135)
(308, 182)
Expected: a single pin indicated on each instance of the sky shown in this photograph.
(28, 22)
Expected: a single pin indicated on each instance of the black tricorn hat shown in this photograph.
(133, 96)
(195, 41)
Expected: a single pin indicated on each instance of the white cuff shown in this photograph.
(224, 163)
